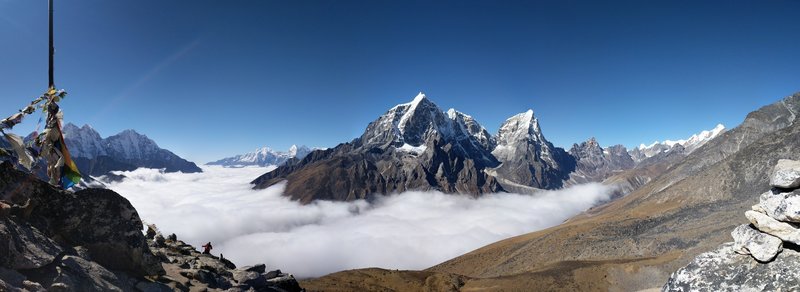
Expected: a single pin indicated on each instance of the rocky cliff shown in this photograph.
(92, 240)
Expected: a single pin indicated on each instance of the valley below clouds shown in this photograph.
(411, 230)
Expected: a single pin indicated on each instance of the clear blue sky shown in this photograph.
(209, 79)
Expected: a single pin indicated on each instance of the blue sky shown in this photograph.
(209, 79)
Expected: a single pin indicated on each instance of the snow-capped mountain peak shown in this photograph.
(521, 127)
(690, 144)
(264, 156)
(119, 152)
(408, 123)
(83, 141)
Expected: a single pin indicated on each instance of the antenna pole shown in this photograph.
(52, 49)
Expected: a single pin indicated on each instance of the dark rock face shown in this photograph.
(593, 163)
(127, 150)
(24, 247)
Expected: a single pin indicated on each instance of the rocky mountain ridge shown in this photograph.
(417, 146)
(125, 151)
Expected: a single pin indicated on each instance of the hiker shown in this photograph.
(207, 248)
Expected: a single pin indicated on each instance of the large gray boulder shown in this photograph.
(99, 220)
(725, 270)
(762, 246)
(785, 231)
(103, 222)
(786, 174)
(783, 206)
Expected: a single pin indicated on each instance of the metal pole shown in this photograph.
(52, 49)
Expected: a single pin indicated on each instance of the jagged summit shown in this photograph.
(126, 150)
(519, 127)
(408, 123)
(468, 126)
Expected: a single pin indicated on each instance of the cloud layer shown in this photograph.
(412, 230)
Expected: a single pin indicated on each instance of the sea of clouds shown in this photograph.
(411, 230)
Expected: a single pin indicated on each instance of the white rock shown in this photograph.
(786, 174)
(781, 206)
(758, 208)
(785, 231)
(761, 246)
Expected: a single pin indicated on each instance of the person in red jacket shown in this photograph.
(207, 248)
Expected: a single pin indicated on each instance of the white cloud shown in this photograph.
(412, 230)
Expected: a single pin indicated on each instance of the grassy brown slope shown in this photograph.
(563, 276)
(682, 213)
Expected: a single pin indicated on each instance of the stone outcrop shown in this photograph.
(757, 260)
(92, 240)
(188, 269)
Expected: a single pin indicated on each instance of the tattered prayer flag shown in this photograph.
(18, 145)
(69, 172)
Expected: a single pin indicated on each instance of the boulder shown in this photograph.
(24, 247)
(762, 246)
(100, 220)
(786, 174)
(285, 283)
(725, 270)
(76, 274)
(783, 206)
(103, 222)
(249, 278)
(260, 268)
(785, 231)
(273, 274)
(213, 264)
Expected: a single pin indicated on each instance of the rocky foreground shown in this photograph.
(92, 240)
(764, 255)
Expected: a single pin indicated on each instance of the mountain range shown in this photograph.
(264, 156)
(417, 146)
(692, 198)
(125, 151)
